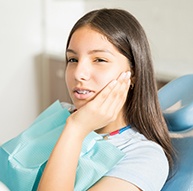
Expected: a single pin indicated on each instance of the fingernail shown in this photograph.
(128, 74)
(123, 75)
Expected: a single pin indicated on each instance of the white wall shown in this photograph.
(60, 16)
(20, 41)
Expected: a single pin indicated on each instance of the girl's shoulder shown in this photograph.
(144, 164)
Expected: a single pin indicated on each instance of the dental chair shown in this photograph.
(176, 99)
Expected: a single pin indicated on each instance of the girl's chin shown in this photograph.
(79, 104)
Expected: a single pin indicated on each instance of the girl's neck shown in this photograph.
(115, 125)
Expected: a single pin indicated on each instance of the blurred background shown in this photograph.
(33, 35)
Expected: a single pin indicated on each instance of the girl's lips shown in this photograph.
(83, 93)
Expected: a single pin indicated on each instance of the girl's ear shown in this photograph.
(132, 79)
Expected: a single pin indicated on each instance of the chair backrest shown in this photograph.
(176, 99)
(181, 176)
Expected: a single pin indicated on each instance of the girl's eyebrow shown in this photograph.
(91, 51)
(70, 51)
(100, 50)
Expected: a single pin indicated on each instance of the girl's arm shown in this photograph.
(60, 171)
(114, 184)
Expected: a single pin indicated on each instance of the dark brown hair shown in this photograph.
(141, 109)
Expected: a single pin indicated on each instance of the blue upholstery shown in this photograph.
(182, 174)
(179, 93)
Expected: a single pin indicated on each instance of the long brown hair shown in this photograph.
(141, 108)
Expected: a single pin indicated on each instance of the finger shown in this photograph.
(118, 94)
(103, 95)
(109, 92)
(122, 86)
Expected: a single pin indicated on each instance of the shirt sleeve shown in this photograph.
(144, 165)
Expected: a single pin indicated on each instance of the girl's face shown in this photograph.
(92, 62)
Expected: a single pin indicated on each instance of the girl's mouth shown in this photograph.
(83, 93)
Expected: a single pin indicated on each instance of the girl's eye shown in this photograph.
(71, 60)
(100, 60)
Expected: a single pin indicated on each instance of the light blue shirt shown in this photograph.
(144, 165)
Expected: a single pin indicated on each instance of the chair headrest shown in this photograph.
(176, 100)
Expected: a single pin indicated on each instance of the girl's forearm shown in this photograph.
(60, 171)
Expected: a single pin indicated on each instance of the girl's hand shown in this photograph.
(96, 114)
(104, 108)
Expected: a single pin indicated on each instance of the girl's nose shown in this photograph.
(82, 72)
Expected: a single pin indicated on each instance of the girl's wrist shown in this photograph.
(76, 130)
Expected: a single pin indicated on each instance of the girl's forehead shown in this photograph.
(87, 36)
(87, 30)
